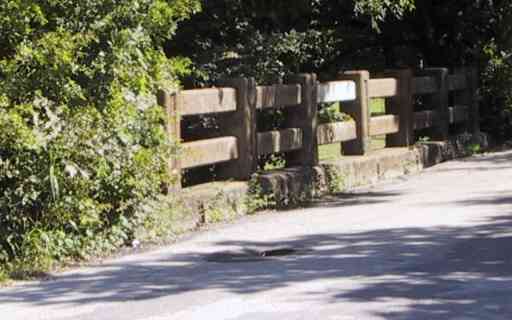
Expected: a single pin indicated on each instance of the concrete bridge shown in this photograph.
(435, 245)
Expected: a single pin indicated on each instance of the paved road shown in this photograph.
(432, 246)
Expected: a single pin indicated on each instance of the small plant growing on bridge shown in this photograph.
(256, 198)
(331, 113)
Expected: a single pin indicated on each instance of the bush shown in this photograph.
(82, 145)
(331, 113)
(496, 76)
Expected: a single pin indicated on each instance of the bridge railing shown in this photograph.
(449, 104)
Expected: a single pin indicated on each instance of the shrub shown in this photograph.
(331, 113)
(82, 145)
(496, 76)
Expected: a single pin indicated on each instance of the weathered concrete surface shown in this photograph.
(296, 184)
(354, 171)
(333, 132)
(437, 245)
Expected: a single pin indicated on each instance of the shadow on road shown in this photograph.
(497, 162)
(445, 281)
(353, 199)
(445, 273)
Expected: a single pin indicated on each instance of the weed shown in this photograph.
(256, 198)
(336, 181)
(474, 148)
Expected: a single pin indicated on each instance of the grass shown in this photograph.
(378, 142)
(332, 152)
(378, 106)
(329, 152)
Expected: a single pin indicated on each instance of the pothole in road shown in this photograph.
(252, 255)
(278, 252)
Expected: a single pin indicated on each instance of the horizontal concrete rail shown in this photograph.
(336, 132)
(279, 95)
(279, 141)
(205, 101)
(457, 82)
(424, 85)
(458, 114)
(384, 125)
(335, 91)
(428, 118)
(211, 151)
(382, 88)
(425, 119)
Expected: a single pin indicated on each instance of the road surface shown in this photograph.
(437, 245)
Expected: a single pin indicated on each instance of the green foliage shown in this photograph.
(220, 208)
(82, 144)
(379, 10)
(462, 33)
(332, 113)
(474, 148)
(336, 181)
(269, 40)
(496, 92)
(257, 198)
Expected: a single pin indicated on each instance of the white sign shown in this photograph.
(336, 91)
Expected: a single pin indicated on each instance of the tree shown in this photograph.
(269, 39)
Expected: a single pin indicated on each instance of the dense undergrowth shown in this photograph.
(82, 143)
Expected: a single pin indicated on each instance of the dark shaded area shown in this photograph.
(353, 199)
(504, 198)
(248, 255)
(473, 279)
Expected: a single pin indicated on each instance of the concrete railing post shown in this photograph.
(439, 102)
(401, 105)
(172, 105)
(359, 111)
(305, 118)
(242, 125)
